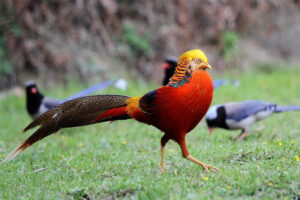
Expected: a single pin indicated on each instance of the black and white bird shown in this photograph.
(242, 115)
(170, 65)
(37, 103)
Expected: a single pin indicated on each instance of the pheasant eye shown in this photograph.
(198, 60)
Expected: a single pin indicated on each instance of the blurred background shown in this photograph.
(53, 41)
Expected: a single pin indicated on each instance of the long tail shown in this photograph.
(219, 82)
(78, 112)
(286, 108)
(90, 90)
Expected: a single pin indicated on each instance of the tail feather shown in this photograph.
(78, 112)
(287, 108)
(13, 154)
(38, 121)
(90, 90)
(113, 114)
(36, 136)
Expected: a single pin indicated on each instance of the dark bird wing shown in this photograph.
(238, 111)
(157, 101)
(146, 103)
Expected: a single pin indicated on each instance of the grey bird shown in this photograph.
(242, 115)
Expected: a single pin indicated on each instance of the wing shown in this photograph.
(147, 104)
(157, 101)
(240, 110)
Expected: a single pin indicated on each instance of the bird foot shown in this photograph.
(207, 167)
(241, 137)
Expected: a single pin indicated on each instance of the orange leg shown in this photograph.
(187, 155)
(242, 136)
(162, 163)
(163, 142)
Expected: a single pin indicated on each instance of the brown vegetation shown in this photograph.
(102, 37)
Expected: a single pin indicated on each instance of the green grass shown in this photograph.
(121, 160)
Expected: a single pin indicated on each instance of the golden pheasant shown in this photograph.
(174, 109)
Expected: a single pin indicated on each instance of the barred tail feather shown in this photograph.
(13, 154)
(36, 136)
(78, 112)
(31, 125)
(113, 114)
(38, 121)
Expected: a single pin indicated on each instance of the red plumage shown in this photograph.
(112, 114)
(174, 109)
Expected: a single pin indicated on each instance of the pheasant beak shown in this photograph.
(205, 66)
(211, 130)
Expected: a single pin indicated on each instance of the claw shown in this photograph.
(215, 169)
(207, 167)
(242, 136)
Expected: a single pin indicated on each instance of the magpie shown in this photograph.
(242, 115)
(37, 103)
